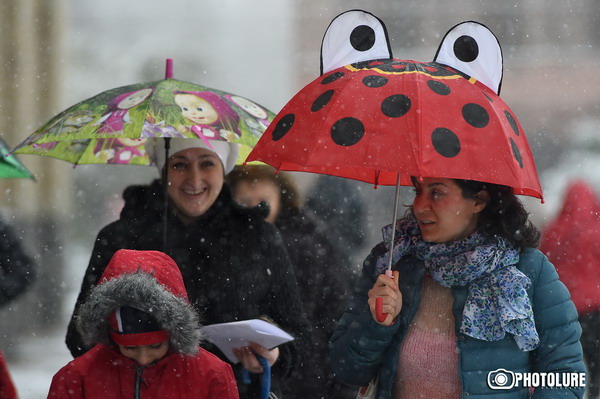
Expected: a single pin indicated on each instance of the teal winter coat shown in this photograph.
(361, 348)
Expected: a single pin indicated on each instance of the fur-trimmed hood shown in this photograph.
(151, 282)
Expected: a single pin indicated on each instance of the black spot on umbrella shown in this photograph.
(475, 115)
(347, 131)
(321, 101)
(283, 126)
(445, 142)
(395, 106)
(362, 38)
(374, 81)
(512, 122)
(466, 48)
(516, 153)
(438, 87)
(489, 98)
(332, 78)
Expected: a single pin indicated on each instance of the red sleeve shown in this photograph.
(66, 384)
(7, 388)
(213, 377)
(224, 384)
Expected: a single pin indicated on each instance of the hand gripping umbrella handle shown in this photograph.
(379, 303)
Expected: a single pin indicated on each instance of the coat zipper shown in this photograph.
(138, 382)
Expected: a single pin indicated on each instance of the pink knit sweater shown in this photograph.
(428, 358)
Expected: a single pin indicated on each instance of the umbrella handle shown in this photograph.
(379, 303)
(265, 383)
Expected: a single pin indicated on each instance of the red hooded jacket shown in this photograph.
(149, 281)
(572, 243)
(7, 388)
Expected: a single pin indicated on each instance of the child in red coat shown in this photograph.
(146, 335)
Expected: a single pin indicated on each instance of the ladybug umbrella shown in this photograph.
(10, 167)
(113, 126)
(381, 120)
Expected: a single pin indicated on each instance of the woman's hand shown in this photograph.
(247, 356)
(387, 289)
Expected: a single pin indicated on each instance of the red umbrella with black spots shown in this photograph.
(382, 120)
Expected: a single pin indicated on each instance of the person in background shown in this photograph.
(324, 281)
(17, 269)
(234, 264)
(469, 296)
(572, 243)
(145, 337)
(338, 202)
(17, 272)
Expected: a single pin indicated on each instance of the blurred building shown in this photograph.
(32, 42)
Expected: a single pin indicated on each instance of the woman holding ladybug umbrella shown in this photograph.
(469, 297)
(456, 301)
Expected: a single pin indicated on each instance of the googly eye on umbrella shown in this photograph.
(383, 120)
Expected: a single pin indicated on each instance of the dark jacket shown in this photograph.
(234, 266)
(361, 348)
(17, 269)
(324, 287)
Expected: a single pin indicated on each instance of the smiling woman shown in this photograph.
(195, 181)
(234, 264)
(469, 297)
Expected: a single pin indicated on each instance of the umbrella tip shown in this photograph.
(169, 69)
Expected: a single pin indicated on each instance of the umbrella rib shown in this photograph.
(419, 122)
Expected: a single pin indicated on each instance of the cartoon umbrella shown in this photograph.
(381, 120)
(10, 167)
(112, 127)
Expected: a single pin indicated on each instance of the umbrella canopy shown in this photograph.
(113, 126)
(371, 117)
(10, 167)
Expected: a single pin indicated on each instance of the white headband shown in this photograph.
(227, 152)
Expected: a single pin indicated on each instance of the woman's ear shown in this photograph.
(481, 200)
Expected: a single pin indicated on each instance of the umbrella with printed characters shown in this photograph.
(382, 120)
(113, 126)
(10, 167)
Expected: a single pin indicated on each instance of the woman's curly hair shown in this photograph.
(504, 215)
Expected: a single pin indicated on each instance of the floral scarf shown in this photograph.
(497, 300)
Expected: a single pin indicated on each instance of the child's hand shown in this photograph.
(247, 356)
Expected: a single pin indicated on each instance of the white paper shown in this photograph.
(238, 334)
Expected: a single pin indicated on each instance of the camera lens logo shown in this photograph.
(501, 379)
